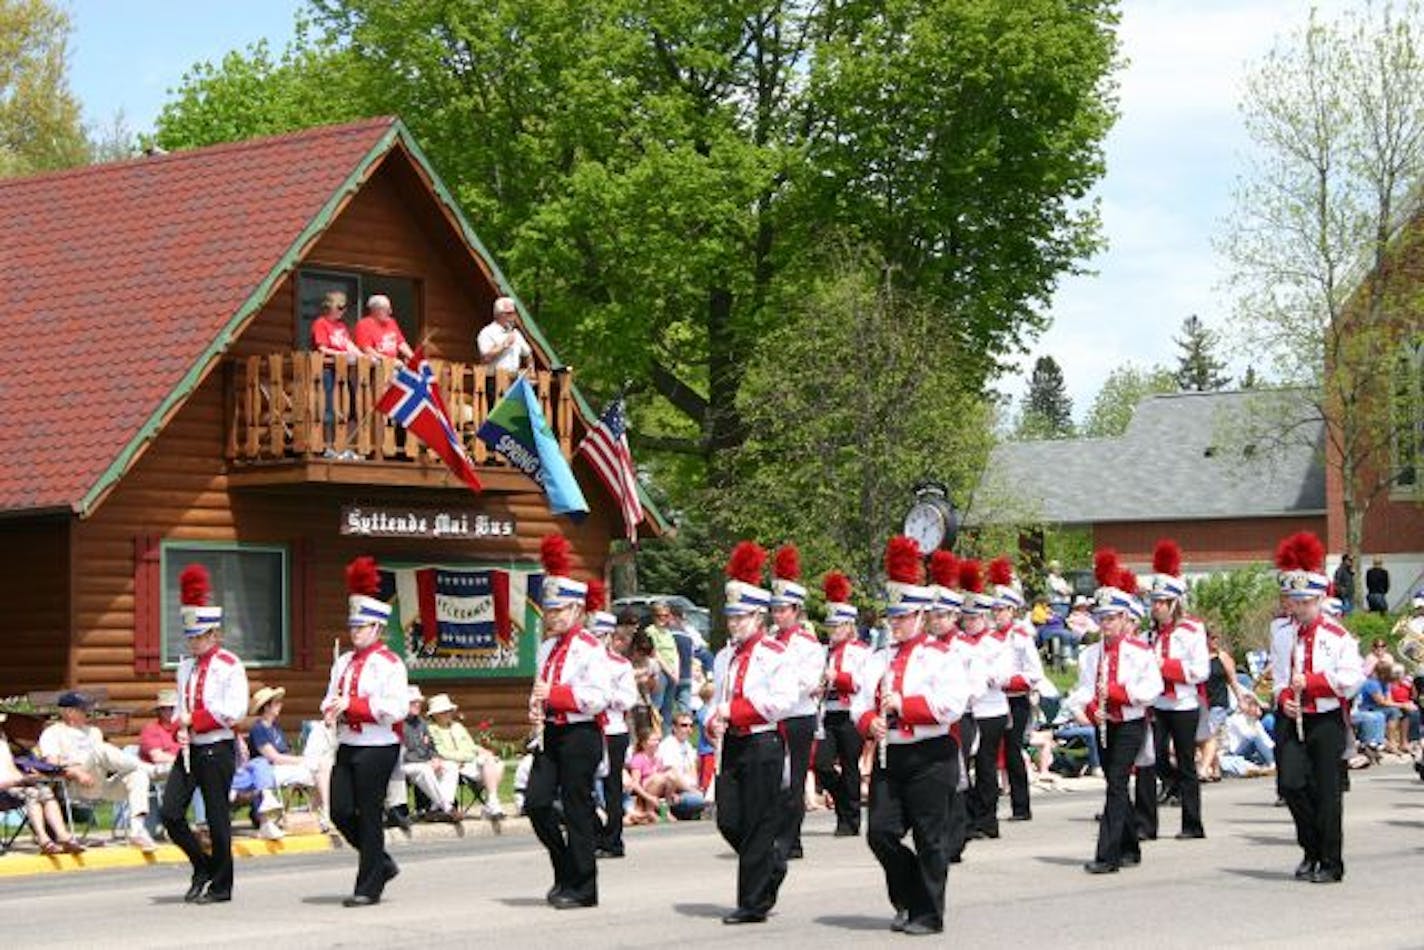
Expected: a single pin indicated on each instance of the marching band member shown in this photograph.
(806, 661)
(367, 695)
(753, 690)
(944, 628)
(1185, 662)
(622, 696)
(908, 698)
(1316, 668)
(1117, 677)
(212, 699)
(991, 656)
(1026, 672)
(572, 687)
(838, 754)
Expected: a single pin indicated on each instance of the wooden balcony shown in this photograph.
(278, 431)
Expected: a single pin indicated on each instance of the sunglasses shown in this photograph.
(683, 725)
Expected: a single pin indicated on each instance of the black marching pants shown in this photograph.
(566, 767)
(1310, 778)
(358, 796)
(610, 832)
(1179, 729)
(912, 794)
(1020, 715)
(984, 795)
(213, 766)
(1117, 832)
(748, 815)
(799, 733)
(838, 767)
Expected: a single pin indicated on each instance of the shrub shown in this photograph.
(1238, 605)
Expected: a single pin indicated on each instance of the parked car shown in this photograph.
(699, 617)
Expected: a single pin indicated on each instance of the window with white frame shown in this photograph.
(250, 582)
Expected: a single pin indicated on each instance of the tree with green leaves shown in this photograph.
(1324, 240)
(1199, 369)
(1047, 409)
(40, 127)
(1124, 388)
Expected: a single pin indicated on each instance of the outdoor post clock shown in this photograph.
(932, 521)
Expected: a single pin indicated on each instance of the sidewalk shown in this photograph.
(23, 861)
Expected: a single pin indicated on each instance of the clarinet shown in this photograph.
(1103, 694)
(1298, 668)
(717, 696)
(884, 750)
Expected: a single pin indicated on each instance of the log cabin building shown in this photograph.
(161, 405)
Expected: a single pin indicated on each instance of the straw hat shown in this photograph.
(167, 699)
(440, 703)
(264, 696)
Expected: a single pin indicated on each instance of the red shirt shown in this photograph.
(1400, 692)
(157, 737)
(330, 334)
(383, 336)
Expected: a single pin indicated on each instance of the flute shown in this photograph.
(1298, 669)
(331, 721)
(884, 749)
(722, 733)
(1103, 694)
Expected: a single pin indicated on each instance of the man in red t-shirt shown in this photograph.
(158, 742)
(378, 334)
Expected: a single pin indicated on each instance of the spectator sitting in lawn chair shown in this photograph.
(270, 763)
(422, 767)
(454, 744)
(25, 789)
(95, 770)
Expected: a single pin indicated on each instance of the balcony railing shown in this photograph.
(277, 408)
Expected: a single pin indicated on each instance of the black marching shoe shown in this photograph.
(795, 854)
(555, 891)
(1131, 860)
(902, 917)
(846, 831)
(570, 902)
(1305, 869)
(195, 889)
(919, 928)
(391, 870)
(1327, 875)
(215, 897)
(1100, 867)
(1026, 816)
(360, 900)
(743, 915)
(1190, 835)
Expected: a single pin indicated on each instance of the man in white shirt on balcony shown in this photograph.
(501, 344)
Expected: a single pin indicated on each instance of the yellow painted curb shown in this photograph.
(121, 855)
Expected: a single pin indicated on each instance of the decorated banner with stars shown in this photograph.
(460, 621)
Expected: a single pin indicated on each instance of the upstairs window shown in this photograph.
(315, 283)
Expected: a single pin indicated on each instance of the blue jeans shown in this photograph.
(689, 805)
(1370, 723)
(683, 697)
(1256, 750)
(1088, 734)
(666, 700)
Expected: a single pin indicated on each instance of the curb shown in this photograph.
(122, 855)
(473, 828)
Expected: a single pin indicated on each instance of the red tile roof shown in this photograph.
(118, 279)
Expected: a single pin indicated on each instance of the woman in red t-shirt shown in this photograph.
(330, 337)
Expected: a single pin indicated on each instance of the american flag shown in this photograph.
(606, 448)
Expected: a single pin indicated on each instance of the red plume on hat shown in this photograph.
(556, 554)
(746, 562)
(597, 596)
(362, 577)
(1167, 557)
(944, 568)
(902, 560)
(1125, 581)
(837, 587)
(1105, 567)
(194, 586)
(1307, 550)
(971, 578)
(1001, 572)
(786, 566)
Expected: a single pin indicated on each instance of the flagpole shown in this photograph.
(366, 416)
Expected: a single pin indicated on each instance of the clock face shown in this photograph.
(925, 525)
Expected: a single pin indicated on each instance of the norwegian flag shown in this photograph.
(414, 402)
(606, 449)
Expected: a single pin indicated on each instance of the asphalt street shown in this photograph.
(1232, 889)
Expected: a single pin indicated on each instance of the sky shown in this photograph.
(1172, 158)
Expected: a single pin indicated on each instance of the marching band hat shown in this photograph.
(744, 593)
(1301, 558)
(971, 582)
(839, 609)
(199, 617)
(363, 582)
(1006, 592)
(785, 572)
(905, 589)
(1167, 580)
(559, 589)
(1117, 587)
(944, 573)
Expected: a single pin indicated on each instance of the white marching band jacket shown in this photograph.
(212, 689)
(373, 682)
(1185, 661)
(844, 668)
(995, 664)
(753, 681)
(1133, 681)
(1023, 657)
(933, 689)
(1326, 653)
(576, 667)
(622, 695)
(805, 660)
(962, 652)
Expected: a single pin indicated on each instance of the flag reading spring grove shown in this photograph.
(516, 428)
(413, 401)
